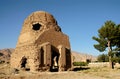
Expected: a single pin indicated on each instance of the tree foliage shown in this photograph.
(108, 32)
(108, 37)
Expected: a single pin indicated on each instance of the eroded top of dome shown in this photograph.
(41, 17)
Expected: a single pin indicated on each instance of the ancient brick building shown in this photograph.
(42, 46)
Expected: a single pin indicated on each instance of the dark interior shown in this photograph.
(36, 26)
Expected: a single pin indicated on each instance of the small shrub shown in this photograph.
(117, 60)
(80, 63)
(103, 58)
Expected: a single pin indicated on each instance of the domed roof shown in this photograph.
(42, 16)
(40, 20)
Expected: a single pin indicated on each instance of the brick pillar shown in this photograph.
(47, 56)
(62, 58)
(68, 59)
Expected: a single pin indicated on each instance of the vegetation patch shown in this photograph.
(80, 64)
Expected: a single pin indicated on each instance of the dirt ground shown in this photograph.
(78, 73)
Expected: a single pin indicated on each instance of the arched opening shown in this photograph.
(23, 62)
(54, 61)
(36, 26)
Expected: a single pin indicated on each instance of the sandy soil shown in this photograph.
(66, 75)
(58, 75)
(89, 73)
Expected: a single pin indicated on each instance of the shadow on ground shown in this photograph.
(80, 68)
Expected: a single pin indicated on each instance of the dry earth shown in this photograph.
(82, 73)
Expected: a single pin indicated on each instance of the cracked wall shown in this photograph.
(43, 44)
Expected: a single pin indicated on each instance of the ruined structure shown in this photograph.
(42, 46)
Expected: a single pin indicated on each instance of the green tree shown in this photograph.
(108, 37)
(103, 58)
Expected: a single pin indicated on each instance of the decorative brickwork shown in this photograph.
(42, 46)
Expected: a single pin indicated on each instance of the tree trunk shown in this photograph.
(110, 57)
(111, 62)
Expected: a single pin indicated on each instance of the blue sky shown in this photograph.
(79, 19)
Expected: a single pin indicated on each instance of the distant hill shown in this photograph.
(77, 57)
(82, 57)
(5, 54)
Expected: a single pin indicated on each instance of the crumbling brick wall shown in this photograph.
(41, 44)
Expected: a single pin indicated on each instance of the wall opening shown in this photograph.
(36, 26)
(54, 61)
(42, 57)
(23, 62)
(68, 59)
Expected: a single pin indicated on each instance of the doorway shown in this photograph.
(41, 57)
(23, 62)
(54, 61)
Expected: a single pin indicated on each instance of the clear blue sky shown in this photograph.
(79, 19)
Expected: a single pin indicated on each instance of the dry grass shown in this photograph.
(104, 72)
(89, 73)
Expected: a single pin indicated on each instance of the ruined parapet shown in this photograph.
(40, 44)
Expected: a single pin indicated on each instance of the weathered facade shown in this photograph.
(42, 46)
